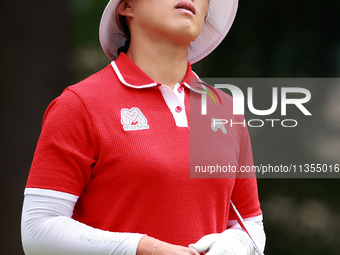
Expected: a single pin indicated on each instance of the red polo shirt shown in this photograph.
(113, 141)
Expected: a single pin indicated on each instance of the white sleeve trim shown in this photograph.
(51, 193)
(253, 219)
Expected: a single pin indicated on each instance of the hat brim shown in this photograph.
(220, 17)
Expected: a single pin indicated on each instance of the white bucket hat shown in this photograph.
(221, 14)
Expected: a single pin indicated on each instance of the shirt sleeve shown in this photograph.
(245, 191)
(246, 199)
(66, 150)
(47, 228)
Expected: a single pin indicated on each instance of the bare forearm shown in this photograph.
(146, 246)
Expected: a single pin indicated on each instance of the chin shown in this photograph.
(182, 39)
(190, 37)
(186, 35)
(192, 28)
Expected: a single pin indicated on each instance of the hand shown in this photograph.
(146, 246)
(230, 242)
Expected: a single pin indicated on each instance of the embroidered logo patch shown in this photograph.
(133, 119)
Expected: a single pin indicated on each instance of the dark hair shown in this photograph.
(123, 26)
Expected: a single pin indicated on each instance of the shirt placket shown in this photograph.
(175, 102)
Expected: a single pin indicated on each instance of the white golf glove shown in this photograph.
(230, 242)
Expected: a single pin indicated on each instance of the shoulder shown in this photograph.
(104, 80)
(99, 89)
(225, 97)
(75, 98)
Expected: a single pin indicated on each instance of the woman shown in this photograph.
(110, 173)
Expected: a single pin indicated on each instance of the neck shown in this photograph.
(163, 61)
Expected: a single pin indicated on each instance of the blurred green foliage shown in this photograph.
(86, 14)
(280, 39)
(268, 39)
